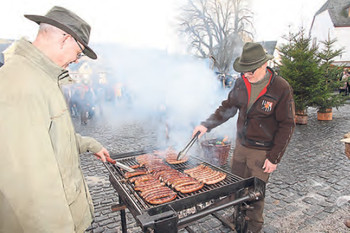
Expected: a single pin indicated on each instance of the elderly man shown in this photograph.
(42, 188)
(265, 122)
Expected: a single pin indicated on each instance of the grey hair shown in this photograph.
(44, 27)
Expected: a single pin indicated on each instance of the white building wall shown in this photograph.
(323, 26)
(343, 36)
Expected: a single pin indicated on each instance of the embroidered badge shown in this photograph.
(266, 106)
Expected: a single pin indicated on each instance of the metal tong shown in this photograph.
(123, 166)
(184, 151)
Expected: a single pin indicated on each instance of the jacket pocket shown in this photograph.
(265, 106)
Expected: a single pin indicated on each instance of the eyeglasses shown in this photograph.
(251, 72)
(81, 54)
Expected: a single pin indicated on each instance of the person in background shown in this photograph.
(42, 188)
(1, 59)
(346, 76)
(265, 121)
(345, 83)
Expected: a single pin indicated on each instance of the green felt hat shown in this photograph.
(253, 56)
(68, 22)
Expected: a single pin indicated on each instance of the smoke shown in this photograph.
(174, 93)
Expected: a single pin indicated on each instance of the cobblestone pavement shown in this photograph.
(304, 195)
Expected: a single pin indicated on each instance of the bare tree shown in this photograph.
(216, 29)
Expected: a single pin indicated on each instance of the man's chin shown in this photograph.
(65, 66)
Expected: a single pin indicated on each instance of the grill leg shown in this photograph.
(123, 217)
(240, 213)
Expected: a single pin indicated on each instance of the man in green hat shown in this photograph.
(42, 188)
(265, 121)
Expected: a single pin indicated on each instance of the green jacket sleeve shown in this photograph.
(86, 144)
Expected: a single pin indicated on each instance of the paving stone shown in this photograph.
(313, 210)
(282, 204)
(329, 209)
(274, 190)
(310, 200)
(291, 208)
(280, 212)
(325, 204)
(101, 218)
(326, 193)
(310, 221)
(270, 229)
(321, 215)
(99, 230)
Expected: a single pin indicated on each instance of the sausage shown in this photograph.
(206, 174)
(157, 194)
(135, 173)
(135, 178)
(185, 183)
(146, 184)
(162, 199)
(191, 188)
(135, 166)
(142, 179)
(217, 180)
(153, 189)
(188, 171)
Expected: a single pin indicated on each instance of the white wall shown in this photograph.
(343, 36)
(323, 26)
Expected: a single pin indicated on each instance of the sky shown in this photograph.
(275, 18)
(151, 23)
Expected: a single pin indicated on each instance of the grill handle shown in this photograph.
(184, 151)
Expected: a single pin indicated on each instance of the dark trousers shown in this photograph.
(247, 162)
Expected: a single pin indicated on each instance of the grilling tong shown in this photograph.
(184, 151)
(123, 166)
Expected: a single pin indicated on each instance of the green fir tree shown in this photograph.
(299, 65)
(328, 96)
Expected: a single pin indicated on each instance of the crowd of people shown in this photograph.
(81, 100)
(87, 99)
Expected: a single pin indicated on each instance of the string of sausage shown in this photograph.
(151, 180)
(205, 174)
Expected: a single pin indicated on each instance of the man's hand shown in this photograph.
(103, 154)
(269, 167)
(200, 128)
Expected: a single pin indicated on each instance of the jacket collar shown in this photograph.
(26, 49)
(264, 90)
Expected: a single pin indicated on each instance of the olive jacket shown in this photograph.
(268, 124)
(42, 188)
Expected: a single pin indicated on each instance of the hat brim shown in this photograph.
(239, 67)
(43, 19)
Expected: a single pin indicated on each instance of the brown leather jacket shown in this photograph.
(269, 123)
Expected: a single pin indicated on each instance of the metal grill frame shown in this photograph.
(157, 218)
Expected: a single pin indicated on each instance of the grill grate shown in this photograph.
(192, 162)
